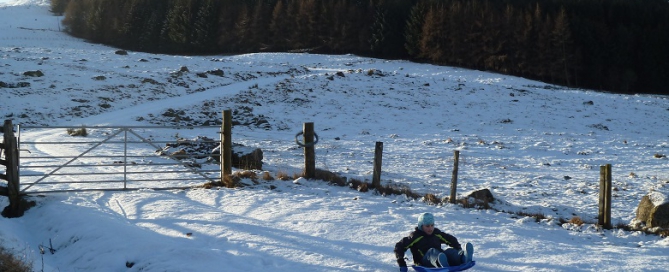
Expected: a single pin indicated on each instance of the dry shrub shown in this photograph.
(10, 263)
(623, 226)
(266, 176)
(398, 190)
(483, 205)
(432, 199)
(247, 174)
(576, 221)
(230, 181)
(358, 185)
(663, 233)
(330, 177)
(282, 176)
(537, 216)
(77, 132)
(363, 187)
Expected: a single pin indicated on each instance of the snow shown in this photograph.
(536, 146)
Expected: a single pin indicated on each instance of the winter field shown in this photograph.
(537, 147)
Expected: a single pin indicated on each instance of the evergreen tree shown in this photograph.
(203, 36)
(413, 30)
(562, 46)
(58, 6)
(178, 25)
(279, 27)
(431, 43)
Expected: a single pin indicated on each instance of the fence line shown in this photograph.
(136, 177)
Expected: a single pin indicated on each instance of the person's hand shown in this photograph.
(404, 269)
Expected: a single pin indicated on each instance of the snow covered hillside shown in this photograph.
(537, 147)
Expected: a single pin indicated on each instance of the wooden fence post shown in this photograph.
(605, 186)
(226, 144)
(607, 207)
(454, 178)
(378, 158)
(10, 148)
(602, 195)
(309, 151)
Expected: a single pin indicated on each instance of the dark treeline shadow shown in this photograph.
(610, 45)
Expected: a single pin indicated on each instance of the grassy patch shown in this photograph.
(11, 263)
(77, 132)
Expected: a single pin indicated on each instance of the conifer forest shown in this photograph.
(609, 45)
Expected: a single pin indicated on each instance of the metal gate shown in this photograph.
(103, 158)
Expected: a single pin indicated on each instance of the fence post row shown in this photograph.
(226, 144)
(605, 186)
(11, 161)
(11, 151)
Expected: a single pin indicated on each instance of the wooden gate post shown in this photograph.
(226, 145)
(378, 158)
(605, 186)
(309, 151)
(454, 178)
(12, 174)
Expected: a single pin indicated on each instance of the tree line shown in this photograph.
(612, 45)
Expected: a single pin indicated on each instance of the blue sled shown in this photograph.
(461, 267)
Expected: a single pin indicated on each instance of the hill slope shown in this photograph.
(517, 137)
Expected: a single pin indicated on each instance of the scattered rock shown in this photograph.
(14, 85)
(36, 73)
(121, 52)
(217, 72)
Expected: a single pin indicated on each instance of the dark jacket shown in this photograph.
(419, 242)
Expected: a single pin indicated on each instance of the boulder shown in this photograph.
(243, 157)
(481, 197)
(247, 158)
(36, 73)
(653, 210)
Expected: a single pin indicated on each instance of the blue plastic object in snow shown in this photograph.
(461, 267)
